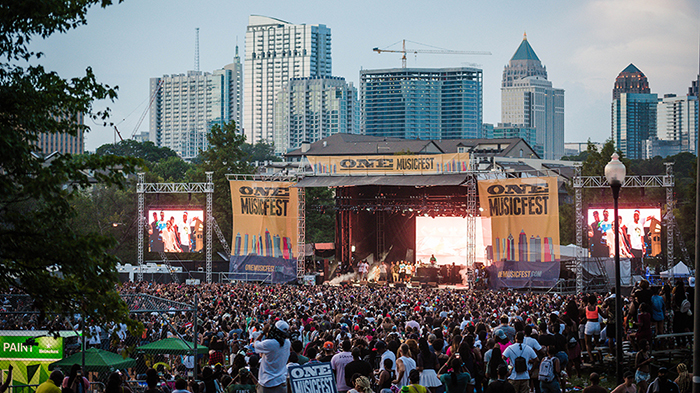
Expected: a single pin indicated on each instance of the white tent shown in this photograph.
(680, 270)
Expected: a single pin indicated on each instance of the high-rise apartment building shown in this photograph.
(529, 100)
(309, 109)
(510, 131)
(275, 52)
(422, 103)
(186, 106)
(633, 112)
(49, 143)
(677, 121)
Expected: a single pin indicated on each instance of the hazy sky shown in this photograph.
(583, 44)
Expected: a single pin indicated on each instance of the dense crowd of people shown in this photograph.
(385, 339)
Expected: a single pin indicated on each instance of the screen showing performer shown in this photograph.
(175, 230)
(640, 232)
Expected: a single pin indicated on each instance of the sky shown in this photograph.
(584, 45)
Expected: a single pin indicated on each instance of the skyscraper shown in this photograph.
(529, 100)
(633, 112)
(275, 52)
(422, 103)
(49, 143)
(186, 106)
(677, 121)
(631, 80)
(309, 109)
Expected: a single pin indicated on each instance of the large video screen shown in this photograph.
(446, 239)
(175, 230)
(640, 232)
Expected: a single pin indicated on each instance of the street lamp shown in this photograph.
(615, 172)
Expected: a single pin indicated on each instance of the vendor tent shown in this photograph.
(680, 270)
(172, 346)
(95, 360)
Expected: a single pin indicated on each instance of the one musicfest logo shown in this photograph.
(401, 164)
(264, 201)
(518, 199)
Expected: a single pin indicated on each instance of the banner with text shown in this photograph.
(264, 223)
(524, 218)
(403, 164)
(515, 274)
(30, 362)
(312, 378)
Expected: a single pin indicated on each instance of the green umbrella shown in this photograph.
(95, 360)
(173, 346)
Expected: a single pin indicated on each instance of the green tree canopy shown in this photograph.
(131, 148)
(36, 196)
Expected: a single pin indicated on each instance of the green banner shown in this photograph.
(30, 362)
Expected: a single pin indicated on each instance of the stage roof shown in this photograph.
(453, 179)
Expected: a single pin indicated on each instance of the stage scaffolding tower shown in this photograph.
(472, 215)
(647, 181)
(175, 188)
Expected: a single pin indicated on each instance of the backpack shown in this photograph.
(520, 362)
(546, 370)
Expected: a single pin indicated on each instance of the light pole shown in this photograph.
(615, 172)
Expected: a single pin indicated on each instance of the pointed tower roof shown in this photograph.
(525, 51)
(631, 68)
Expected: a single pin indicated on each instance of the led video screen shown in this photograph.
(175, 230)
(640, 232)
(446, 239)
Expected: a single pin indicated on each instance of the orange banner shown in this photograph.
(524, 218)
(264, 218)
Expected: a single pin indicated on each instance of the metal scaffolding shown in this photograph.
(472, 215)
(174, 188)
(647, 181)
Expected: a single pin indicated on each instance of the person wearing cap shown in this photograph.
(274, 350)
(380, 346)
(328, 352)
(627, 386)
(662, 384)
(357, 366)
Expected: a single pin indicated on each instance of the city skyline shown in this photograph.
(584, 46)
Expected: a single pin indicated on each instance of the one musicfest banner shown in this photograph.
(524, 223)
(264, 230)
(386, 165)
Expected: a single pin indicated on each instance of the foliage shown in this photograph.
(131, 148)
(171, 169)
(260, 151)
(320, 215)
(65, 270)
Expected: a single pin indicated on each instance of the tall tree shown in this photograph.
(224, 156)
(131, 148)
(36, 195)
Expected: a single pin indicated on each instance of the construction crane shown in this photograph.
(430, 51)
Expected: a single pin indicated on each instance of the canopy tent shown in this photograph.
(173, 346)
(680, 270)
(95, 360)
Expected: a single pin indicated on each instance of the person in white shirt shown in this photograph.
(338, 363)
(520, 380)
(273, 348)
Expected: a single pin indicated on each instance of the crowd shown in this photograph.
(387, 339)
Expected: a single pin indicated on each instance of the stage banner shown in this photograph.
(403, 164)
(264, 228)
(524, 218)
(516, 274)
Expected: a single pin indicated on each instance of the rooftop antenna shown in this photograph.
(196, 50)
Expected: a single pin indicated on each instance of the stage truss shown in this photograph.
(580, 182)
(175, 188)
